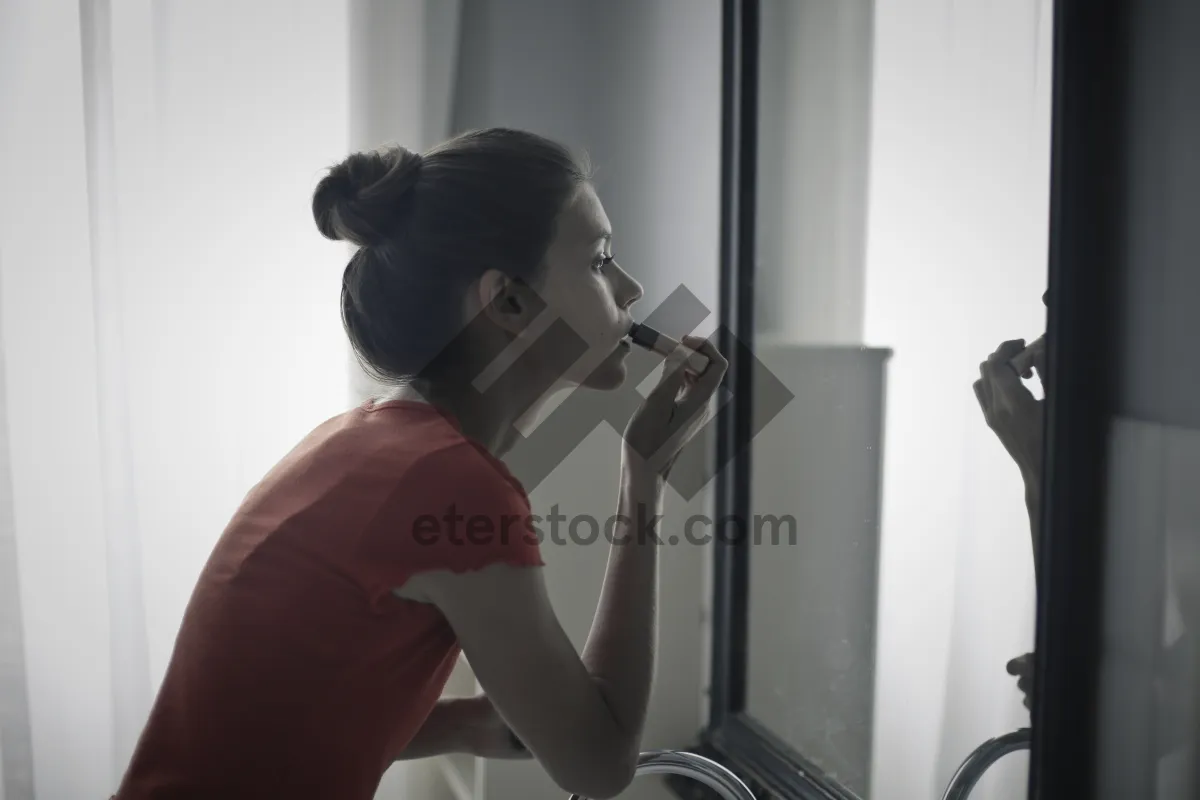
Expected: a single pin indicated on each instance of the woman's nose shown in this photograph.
(629, 291)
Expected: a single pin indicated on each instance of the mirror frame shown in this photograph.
(732, 737)
(1083, 246)
(1087, 208)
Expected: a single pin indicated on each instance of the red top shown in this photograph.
(296, 672)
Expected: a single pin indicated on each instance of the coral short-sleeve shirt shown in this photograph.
(297, 673)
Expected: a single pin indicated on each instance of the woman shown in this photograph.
(323, 628)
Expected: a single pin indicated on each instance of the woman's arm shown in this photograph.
(1017, 419)
(1033, 505)
(582, 716)
(464, 725)
(620, 650)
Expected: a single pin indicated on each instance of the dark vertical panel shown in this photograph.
(1085, 242)
(739, 158)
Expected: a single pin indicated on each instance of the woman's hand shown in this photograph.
(1011, 411)
(1022, 668)
(676, 408)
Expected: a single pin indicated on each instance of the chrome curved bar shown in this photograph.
(707, 771)
(988, 753)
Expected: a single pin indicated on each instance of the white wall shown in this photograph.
(956, 264)
(814, 127)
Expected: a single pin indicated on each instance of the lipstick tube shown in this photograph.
(658, 342)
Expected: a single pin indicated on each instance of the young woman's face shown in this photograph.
(583, 285)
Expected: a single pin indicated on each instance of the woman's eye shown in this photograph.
(601, 262)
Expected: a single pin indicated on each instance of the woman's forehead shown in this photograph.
(584, 219)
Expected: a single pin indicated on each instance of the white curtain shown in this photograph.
(956, 263)
(168, 320)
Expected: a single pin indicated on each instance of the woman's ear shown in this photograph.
(509, 303)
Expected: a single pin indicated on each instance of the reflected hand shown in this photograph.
(1011, 410)
(1022, 667)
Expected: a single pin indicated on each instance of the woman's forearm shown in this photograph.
(450, 728)
(620, 650)
(465, 725)
(1033, 505)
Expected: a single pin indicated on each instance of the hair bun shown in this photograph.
(362, 199)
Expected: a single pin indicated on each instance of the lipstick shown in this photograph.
(658, 342)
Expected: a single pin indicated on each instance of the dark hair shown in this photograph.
(427, 225)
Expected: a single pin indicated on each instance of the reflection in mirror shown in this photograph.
(903, 189)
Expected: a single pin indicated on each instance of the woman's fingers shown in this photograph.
(1022, 668)
(1021, 665)
(717, 363)
(1002, 386)
(678, 405)
(691, 403)
(704, 385)
(998, 367)
(662, 397)
(1039, 367)
(1008, 350)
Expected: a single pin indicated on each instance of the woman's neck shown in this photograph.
(493, 418)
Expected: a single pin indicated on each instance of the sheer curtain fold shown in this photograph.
(168, 320)
(16, 758)
(60, 658)
(118, 69)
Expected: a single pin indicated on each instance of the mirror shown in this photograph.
(902, 209)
